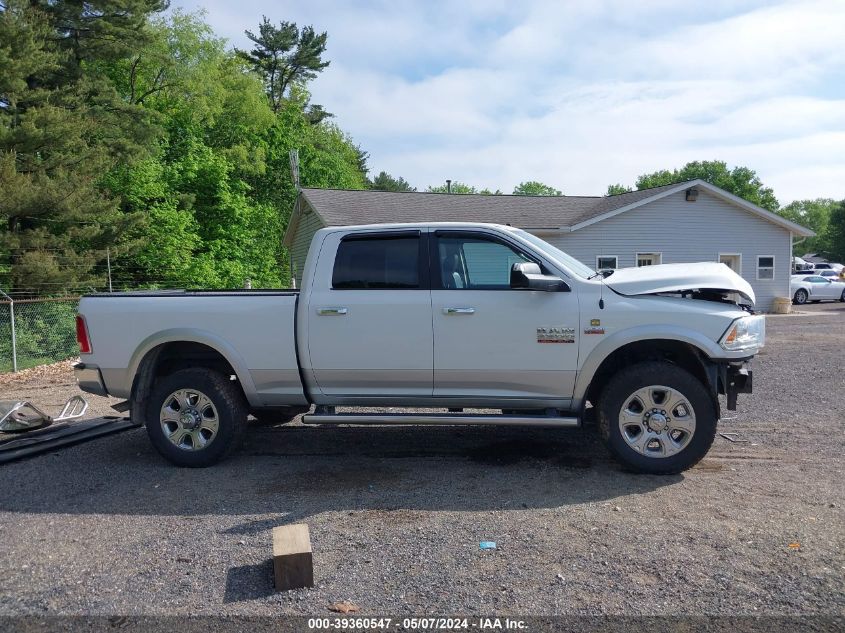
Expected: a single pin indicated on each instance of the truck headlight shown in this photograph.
(745, 333)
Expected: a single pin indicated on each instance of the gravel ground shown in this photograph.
(396, 515)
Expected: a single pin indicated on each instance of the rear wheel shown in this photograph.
(842, 297)
(657, 418)
(195, 417)
(800, 297)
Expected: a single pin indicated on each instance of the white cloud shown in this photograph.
(582, 94)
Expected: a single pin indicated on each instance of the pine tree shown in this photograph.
(285, 55)
(386, 182)
(62, 127)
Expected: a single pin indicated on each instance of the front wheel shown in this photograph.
(800, 297)
(842, 297)
(195, 417)
(657, 418)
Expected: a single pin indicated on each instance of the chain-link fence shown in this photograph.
(37, 331)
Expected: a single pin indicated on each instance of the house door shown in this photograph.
(733, 261)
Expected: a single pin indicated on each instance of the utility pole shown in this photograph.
(108, 265)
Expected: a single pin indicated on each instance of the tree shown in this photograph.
(615, 190)
(834, 235)
(534, 188)
(285, 55)
(456, 187)
(62, 126)
(386, 182)
(815, 215)
(740, 181)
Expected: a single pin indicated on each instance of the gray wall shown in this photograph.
(309, 223)
(687, 232)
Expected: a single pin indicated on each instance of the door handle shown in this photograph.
(332, 311)
(458, 310)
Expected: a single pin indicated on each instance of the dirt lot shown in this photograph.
(396, 515)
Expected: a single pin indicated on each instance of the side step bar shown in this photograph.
(440, 418)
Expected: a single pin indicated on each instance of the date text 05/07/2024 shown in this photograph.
(417, 624)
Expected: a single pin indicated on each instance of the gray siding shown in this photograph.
(687, 232)
(309, 223)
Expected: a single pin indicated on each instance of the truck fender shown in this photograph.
(186, 335)
(631, 335)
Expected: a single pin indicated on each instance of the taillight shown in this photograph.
(82, 335)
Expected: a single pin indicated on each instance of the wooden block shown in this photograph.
(292, 561)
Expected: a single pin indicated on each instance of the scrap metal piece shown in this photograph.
(19, 416)
(733, 437)
(45, 440)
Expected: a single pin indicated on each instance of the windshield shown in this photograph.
(567, 261)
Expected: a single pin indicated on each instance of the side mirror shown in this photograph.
(527, 275)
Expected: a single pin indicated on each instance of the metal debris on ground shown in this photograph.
(16, 446)
(734, 437)
(20, 416)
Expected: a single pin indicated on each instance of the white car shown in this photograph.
(815, 288)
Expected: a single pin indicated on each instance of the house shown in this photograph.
(691, 221)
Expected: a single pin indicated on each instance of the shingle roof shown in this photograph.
(344, 207)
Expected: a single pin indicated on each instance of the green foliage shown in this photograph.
(740, 181)
(283, 56)
(44, 332)
(386, 182)
(615, 190)
(62, 126)
(815, 215)
(456, 187)
(834, 234)
(534, 188)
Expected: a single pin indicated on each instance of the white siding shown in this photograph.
(309, 223)
(687, 232)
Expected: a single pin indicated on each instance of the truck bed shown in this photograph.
(252, 329)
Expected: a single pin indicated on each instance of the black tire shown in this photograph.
(625, 383)
(800, 297)
(842, 297)
(229, 406)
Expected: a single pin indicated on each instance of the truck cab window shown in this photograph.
(475, 263)
(378, 263)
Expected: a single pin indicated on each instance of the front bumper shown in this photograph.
(735, 378)
(90, 379)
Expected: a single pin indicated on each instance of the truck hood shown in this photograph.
(673, 278)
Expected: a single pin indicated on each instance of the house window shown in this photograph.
(649, 259)
(606, 262)
(765, 267)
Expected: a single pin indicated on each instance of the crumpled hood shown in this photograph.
(677, 278)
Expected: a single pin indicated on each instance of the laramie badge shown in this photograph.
(555, 334)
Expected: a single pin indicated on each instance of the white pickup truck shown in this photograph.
(472, 323)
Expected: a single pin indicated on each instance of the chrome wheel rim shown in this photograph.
(657, 421)
(189, 419)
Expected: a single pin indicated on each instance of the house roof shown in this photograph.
(346, 207)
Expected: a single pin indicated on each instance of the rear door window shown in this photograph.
(378, 263)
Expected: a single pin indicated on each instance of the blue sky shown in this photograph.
(578, 94)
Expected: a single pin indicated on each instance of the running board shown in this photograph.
(440, 419)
